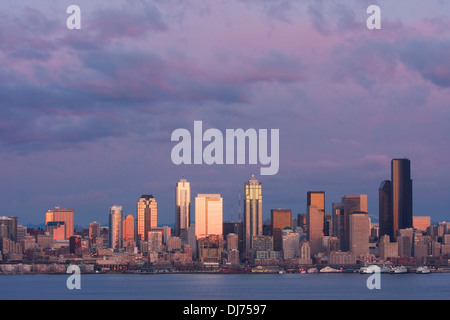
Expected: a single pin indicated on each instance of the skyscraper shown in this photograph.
(115, 227)
(351, 203)
(147, 216)
(402, 210)
(182, 206)
(208, 215)
(59, 214)
(128, 228)
(385, 209)
(94, 231)
(395, 199)
(314, 217)
(281, 218)
(253, 217)
(359, 226)
(9, 228)
(337, 217)
(316, 198)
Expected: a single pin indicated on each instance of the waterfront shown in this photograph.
(225, 287)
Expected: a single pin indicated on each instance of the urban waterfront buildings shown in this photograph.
(344, 237)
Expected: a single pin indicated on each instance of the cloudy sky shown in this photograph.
(86, 115)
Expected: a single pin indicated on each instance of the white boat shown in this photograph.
(399, 270)
(385, 269)
(423, 270)
(329, 270)
(312, 270)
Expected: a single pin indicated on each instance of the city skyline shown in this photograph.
(316, 198)
(86, 115)
(349, 205)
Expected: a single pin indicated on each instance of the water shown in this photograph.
(225, 287)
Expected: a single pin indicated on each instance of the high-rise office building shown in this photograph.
(147, 216)
(115, 227)
(337, 218)
(182, 206)
(62, 215)
(316, 198)
(155, 241)
(359, 224)
(351, 203)
(208, 215)
(421, 222)
(402, 211)
(281, 218)
(290, 244)
(395, 199)
(315, 218)
(385, 209)
(128, 233)
(253, 216)
(9, 228)
(94, 231)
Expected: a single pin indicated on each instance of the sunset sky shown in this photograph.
(86, 115)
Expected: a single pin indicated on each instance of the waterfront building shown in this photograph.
(386, 248)
(290, 244)
(232, 242)
(155, 241)
(210, 249)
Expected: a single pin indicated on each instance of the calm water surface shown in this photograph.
(225, 287)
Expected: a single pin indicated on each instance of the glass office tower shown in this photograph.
(402, 211)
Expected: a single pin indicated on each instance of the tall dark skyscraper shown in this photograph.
(402, 210)
(395, 199)
(385, 209)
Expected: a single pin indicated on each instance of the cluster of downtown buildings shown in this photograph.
(343, 237)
